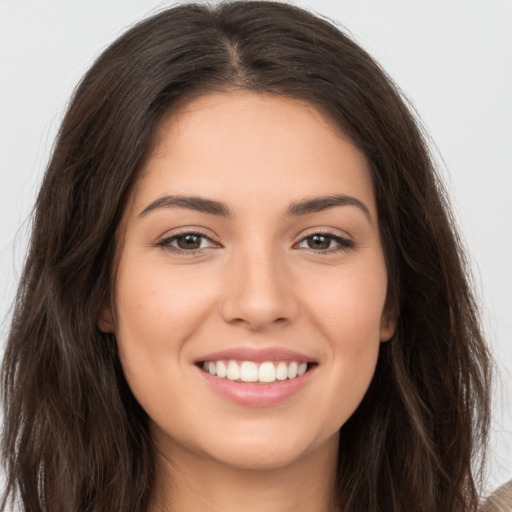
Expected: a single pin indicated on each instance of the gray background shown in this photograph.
(452, 59)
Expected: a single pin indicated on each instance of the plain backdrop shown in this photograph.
(451, 58)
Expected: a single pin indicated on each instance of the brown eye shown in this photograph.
(325, 243)
(189, 241)
(320, 242)
(186, 243)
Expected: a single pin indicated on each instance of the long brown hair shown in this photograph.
(74, 437)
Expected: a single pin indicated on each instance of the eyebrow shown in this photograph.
(298, 208)
(190, 202)
(318, 204)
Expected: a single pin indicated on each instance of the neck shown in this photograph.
(187, 482)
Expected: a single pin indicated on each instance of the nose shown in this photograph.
(258, 292)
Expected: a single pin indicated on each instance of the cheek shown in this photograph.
(347, 304)
(158, 311)
(348, 314)
(156, 303)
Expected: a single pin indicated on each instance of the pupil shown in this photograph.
(189, 242)
(319, 242)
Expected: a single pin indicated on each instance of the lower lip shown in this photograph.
(257, 395)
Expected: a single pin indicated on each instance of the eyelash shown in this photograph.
(166, 242)
(344, 244)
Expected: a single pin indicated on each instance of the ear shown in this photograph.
(106, 322)
(388, 323)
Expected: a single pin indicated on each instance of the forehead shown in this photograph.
(235, 143)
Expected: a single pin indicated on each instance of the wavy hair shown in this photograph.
(74, 437)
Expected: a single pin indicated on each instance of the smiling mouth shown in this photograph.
(265, 372)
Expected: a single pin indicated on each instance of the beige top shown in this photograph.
(500, 500)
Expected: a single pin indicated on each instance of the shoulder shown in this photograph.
(500, 500)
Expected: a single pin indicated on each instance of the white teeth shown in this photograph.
(281, 371)
(267, 372)
(221, 369)
(292, 370)
(249, 371)
(233, 371)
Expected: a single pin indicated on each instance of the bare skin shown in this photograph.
(202, 487)
(252, 230)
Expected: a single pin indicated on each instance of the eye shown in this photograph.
(187, 242)
(325, 242)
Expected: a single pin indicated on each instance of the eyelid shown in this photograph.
(344, 243)
(165, 241)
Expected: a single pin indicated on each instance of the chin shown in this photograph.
(270, 452)
(258, 459)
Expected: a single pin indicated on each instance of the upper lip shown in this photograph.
(258, 355)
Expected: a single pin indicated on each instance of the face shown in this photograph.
(251, 284)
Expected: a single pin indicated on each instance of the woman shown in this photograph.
(244, 288)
